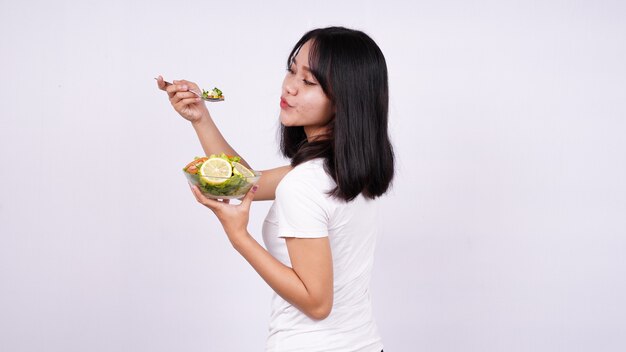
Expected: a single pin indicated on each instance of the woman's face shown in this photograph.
(303, 102)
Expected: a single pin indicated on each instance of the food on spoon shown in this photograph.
(214, 93)
(221, 176)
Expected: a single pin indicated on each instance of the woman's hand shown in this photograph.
(186, 103)
(234, 218)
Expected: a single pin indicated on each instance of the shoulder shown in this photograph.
(306, 186)
(302, 205)
(309, 176)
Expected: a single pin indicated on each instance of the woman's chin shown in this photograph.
(286, 122)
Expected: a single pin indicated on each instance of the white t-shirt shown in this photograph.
(303, 209)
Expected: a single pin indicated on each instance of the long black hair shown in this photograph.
(352, 72)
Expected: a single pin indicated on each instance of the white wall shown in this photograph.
(505, 230)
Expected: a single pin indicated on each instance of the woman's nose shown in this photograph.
(289, 86)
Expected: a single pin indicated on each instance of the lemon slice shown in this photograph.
(216, 170)
(242, 170)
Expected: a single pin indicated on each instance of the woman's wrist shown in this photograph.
(199, 122)
(239, 239)
(203, 119)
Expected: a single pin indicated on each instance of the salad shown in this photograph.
(214, 94)
(221, 176)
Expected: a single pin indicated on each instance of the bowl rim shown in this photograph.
(257, 174)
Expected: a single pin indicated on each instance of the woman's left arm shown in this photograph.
(308, 284)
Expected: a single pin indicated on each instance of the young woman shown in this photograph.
(320, 232)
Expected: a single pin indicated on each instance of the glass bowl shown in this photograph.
(234, 187)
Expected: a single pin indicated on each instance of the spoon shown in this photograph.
(196, 93)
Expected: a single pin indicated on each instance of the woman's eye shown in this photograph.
(308, 83)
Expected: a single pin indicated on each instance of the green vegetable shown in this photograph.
(213, 93)
(236, 184)
(226, 188)
(230, 159)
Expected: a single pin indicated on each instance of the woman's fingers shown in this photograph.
(183, 95)
(176, 86)
(175, 90)
(190, 85)
(181, 104)
(247, 200)
(161, 83)
(184, 82)
(217, 204)
(179, 89)
(209, 203)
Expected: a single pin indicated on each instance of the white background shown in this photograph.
(505, 229)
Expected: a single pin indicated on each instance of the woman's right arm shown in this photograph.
(194, 110)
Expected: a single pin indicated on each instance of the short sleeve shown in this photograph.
(301, 210)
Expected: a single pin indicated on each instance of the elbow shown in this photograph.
(320, 311)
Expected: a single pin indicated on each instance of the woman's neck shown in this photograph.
(315, 133)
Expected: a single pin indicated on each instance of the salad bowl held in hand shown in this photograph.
(221, 176)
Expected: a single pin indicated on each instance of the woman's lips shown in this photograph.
(283, 104)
